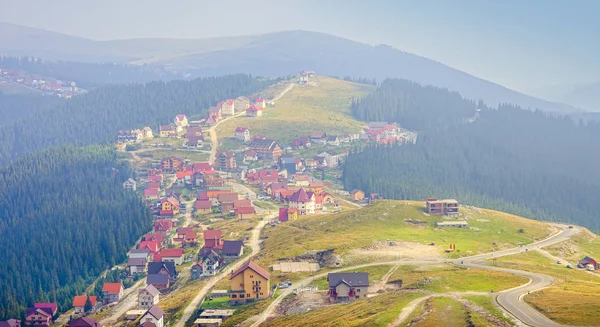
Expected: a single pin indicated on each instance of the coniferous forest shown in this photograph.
(69, 219)
(97, 116)
(520, 161)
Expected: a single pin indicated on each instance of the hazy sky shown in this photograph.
(522, 44)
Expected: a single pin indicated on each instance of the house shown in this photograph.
(210, 120)
(84, 322)
(217, 313)
(41, 317)
(332, 158)
(227, 160)
(300, 143)
(318, 137)
(241, 103)
(244, 212)
(153, 246)
(154, 315)
(301, 180)
(316, 188)
(194, 141)
(161, 282)
(181, 121)
(171, 255)
(213, 239)
(226, 201)
(333, 140)
(254, 111)
(137, 265)
(203, 206)
(167, 131)
(152, 184)
(348, 286)
(193, 131)
(203, 167)
(232, 249)
(311, 163)
(151, 193)
(215, 113)
(173, 164)
(130, 184)
(147, 297)
(112, 292)
(10, 323)
(227, 107)
(258, 137)
(163, 225)
(250, 155)
(266, 149)
(249, 283)
(236, 173)
(455, 224)
(53, 306)
(260, 102)
(208, 322)
(583, 263)
(169, 206)
(148, 133)
(448, 207)
(287, 214)
(242, 134)
(79, 302)
(208, 265)
(242, 203)
(303, 201)
(288, 162)
(357, 195)
(161, 274)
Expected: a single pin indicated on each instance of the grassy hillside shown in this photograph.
(348, 232)
(305, 109)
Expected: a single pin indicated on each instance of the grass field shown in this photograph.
(384, 220)
(572, 299)
(487, 302)
(449, 278)
(305, 109)
(443, 312)
(577, 247)
(377, 311)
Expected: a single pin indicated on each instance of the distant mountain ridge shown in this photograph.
(273, 55)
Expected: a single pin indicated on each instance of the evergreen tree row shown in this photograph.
(96, 116)
(520, 161)
(65, 218)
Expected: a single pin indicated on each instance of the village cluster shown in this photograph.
(44, 84)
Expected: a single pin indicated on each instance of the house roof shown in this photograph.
(250, 153)
(201, 166)
(351, 279)
(180, 117)
(53, 306)
(10, 323)
(136, 262)
(244, 210)
(242, 203)
(586, 260)
(152, 290)
(203, 204)
(153, 246)
(166, 128)
(79, 300)
(317, 135)
(155, 267)
(251, 265)
(154, 237)
(232, 247)
(43, 311)
(263, 144)
(157, 279)
(241, 129)
(254, 108)
(354, 191)
(83, 322)
(211, 234)
(155, 311)
(332, 138)
(151, 192)
(259, 99)
(171, 253)
(300, 196)
(146, 251)
(227, 197)
(112, 288)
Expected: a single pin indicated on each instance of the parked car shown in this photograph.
(569, 266)
(558, 262)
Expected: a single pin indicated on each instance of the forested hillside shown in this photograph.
(96, 116)
(69, 219)
(508, 159)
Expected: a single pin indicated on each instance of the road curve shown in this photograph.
(512, 300)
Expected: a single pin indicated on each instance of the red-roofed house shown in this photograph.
(112, 292)
(213, 239)
(155, 178)
(163, 225)
(153, 184)
(250, 155)
(227, 107)
(169, 206)
(158, 237)
(260, 102)
(254, 111)
(167, 131)
(249, 283)
(153, 246)
(202, 167)
(203, 206)
(80, 300)
(39, 317)
(242, 203)
(170, 255)
(242, 134)
(151, 193)
(53, 306)
(244, 212)
(181, 121)
(303, 201)
(226, 201)
(287, 214)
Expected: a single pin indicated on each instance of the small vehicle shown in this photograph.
(569, 266)
(261, 218)
(558, 262)
(570, 226)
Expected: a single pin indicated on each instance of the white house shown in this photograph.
(242, 134)
(303, 201)
(154, 315)
(148, 297)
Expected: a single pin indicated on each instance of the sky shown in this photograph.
(522, 44)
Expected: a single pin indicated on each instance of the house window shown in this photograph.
(233, 296)
(358, 289)
(241, 296)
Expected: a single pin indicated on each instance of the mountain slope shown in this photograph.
(274, 55)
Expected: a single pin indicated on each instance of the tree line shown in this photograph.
(95, 117)
(65, 218)
(520, 161)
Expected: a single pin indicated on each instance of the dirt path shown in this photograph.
(286, 90)
(128, 302)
